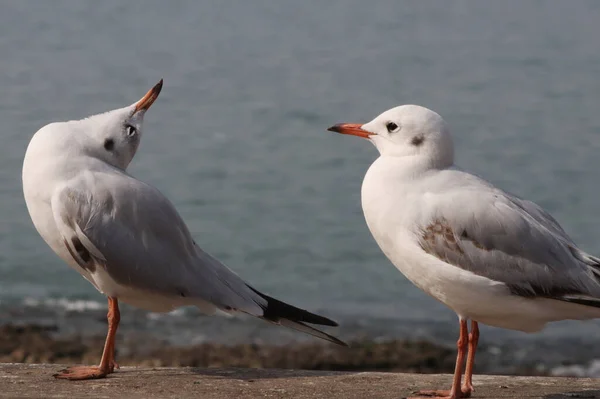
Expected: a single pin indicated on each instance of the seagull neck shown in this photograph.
(406, 167)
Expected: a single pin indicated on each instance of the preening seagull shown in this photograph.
(124, 236)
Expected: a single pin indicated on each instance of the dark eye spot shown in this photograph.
(417, 140)
(109, 144)
(391, 127)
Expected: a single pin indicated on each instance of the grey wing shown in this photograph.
(548, 222)
(539, 214)
(134, 232)
(511, 241)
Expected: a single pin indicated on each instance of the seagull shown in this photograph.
(124, 236)
(488, 255)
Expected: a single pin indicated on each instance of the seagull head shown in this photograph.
(114, 136)
(406, 131)
(111, 137)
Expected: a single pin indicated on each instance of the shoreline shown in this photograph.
(33, 343)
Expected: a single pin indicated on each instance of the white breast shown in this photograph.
(391, 208)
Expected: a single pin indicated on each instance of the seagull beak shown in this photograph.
(149, 98)
(355, 129)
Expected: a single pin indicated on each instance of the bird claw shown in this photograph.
(467, 389)
(113, 366)
(434, 393)
(430, 396)
(439, 393)
(78, 373)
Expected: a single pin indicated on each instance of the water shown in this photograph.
(237, 139)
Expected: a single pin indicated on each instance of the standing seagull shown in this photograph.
(124, 236)
(489, 256)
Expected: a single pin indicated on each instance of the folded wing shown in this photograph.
(130, 229)
(509, 240)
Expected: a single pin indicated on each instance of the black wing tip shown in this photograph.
(332, 323)
(276, 309)
(592, 302)
(305, 328)
(320, 320)
(337, 341)
(340, 342)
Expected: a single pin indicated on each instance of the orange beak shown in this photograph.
(149, 98)
(351, 128)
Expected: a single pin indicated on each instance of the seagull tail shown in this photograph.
(281, 313)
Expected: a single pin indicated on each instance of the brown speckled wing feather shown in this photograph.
(526, 257)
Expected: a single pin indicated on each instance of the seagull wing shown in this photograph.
(496, 235)
(132, 231)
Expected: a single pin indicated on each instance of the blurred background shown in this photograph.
(237, 140)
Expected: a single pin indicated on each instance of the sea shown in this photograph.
(237, 140)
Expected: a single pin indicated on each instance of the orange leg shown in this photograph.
(107, 364)
(467, 387)
(454, 392)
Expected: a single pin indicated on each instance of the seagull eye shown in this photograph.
(392, 127)
(131, 130)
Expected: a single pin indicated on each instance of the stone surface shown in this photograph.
(36, 381)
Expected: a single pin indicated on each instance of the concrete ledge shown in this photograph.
(36, 381)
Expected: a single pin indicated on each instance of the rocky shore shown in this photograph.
(39, 344)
